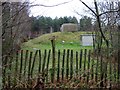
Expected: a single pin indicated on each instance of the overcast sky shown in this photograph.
(61, 10)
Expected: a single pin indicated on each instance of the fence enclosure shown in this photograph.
(26, 66)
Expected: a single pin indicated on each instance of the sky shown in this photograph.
(67, 9)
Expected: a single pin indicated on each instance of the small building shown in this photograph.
(69, 27)
(87, 39)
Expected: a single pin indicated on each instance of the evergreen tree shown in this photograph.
(85, 23)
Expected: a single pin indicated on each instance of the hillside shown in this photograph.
(64, 40)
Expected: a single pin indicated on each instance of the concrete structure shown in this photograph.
(69, 27)
(87, 39)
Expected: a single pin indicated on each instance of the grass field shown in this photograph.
(64, 40)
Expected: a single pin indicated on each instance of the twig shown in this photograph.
(51, 5)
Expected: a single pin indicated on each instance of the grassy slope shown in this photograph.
(72, 41)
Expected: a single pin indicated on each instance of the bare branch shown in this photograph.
(111, 11)
(88, 7)
(50, 5)
(13, 15)
(17, 24)
(78, 13)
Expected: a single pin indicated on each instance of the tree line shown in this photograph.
(45, 24)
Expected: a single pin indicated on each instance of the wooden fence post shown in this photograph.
(92, 70)
(44, 60)
(26, 59)
(88, 66)
(21, 62)
(58, 74)
(80, 63)
(29, 68)
(76, 63)
(85, 53)
(39, 68)
(71, 65)
(44, 72)
(48, 59)
(34, 58)
(63, 64)
(67, 64)
(53, 59)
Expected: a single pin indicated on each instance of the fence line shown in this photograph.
(27, 65)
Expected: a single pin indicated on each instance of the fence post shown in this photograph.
(67, 64)
(29, 67)
(88, 66)
(85, 53)
(26, 58)
(80, 63)
(21, 65)
(44, 60)
(34, 58)
(71, 65)
(58, 74)
(63, 64)
(44, 72)
(48, 59)
(39, 68)
(76, 63)
(53, 58)
(92, 70)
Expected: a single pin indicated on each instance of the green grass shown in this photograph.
(71, 41)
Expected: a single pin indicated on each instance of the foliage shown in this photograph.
(43, 24)
(85, 24)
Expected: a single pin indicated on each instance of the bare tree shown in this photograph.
(16, 25)
(106, 16)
